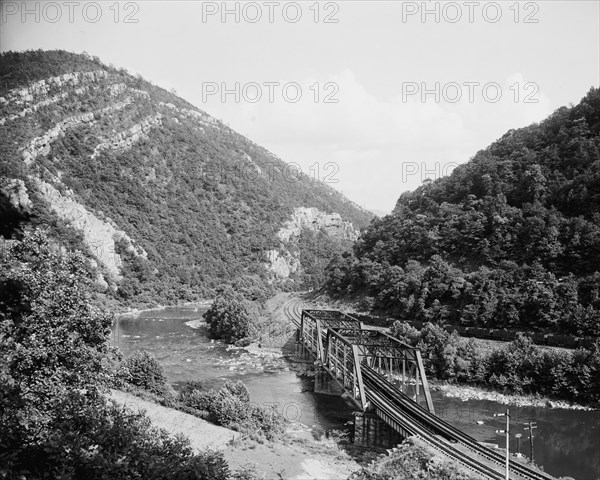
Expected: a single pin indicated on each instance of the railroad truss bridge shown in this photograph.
(386, 380)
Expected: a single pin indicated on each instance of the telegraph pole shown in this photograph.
(530, 426)
(507, 432)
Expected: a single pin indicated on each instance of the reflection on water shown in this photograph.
(567, 442)
(187, 354)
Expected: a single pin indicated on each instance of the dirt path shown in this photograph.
(202, 434)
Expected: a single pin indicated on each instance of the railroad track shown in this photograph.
(293, 309)
(442, 436)
(417, 430)
(427, 426)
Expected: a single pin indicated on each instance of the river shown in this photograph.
(566, 443)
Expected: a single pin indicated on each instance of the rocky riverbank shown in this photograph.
(466, 393)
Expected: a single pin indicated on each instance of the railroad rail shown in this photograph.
(381, 374)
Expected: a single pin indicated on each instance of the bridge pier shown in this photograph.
(325, 384)
(372, 431)
(302, 353)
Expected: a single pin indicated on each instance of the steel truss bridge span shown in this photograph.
(382, 374)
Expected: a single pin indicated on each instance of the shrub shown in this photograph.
(143, 370)
(190, 385)
(413, 459)
(237, 389)
(231, 408)
(405, 333)
(229, 317)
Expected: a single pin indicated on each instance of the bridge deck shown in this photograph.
(385, 375)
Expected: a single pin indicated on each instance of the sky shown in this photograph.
(371, 97)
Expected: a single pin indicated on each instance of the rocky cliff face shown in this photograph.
(100, 235)
(315, 220)
(285, 261)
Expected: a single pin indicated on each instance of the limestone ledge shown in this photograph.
(40, 91)
(27, 94)
(126, 139)
(203, 118)
(42, 145)
(282, 265)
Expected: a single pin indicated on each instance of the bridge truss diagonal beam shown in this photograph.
(342, 344)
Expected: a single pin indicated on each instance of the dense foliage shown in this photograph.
(510, 239)
(413, 460)
(231, 408)
(203, 201)
(143, 370)
(55, 370)
(230, 317)
(516, 367)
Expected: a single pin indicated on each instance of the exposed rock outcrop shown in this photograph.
(99, 235)
(202, 118)
(284, 262)
(21, 96)
(315, 220)
(282, 265)
(125, 140)
(42, 145)
(16, 192)
(24, 101)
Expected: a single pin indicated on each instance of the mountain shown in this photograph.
(166, 201)
(510, 239)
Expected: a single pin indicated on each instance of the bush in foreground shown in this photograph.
(412, 460)
(54, 374)
(143, 370)
(231, 408)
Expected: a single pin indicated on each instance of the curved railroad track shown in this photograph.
(293, 309)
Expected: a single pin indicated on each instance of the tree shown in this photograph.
(52, 342)
(56, 421)
(229, 317)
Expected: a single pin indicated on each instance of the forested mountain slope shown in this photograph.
(166, 201)
(509, 239)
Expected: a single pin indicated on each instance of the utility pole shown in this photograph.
(530, 426)
(507, 432)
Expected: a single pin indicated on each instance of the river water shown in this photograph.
(566, 443)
